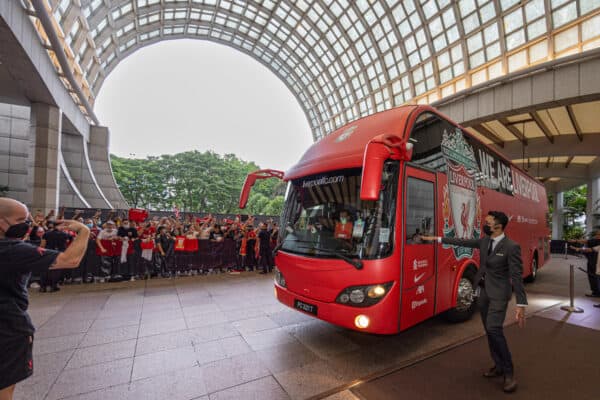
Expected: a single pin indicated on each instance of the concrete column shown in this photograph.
(44, 171)
(14, 150)
(98, 152)
(558, 216)
(592, 211)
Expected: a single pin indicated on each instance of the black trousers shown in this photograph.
(265, 260)
(493, 313)
(593, 279)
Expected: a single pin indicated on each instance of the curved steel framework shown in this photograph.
(342, 59)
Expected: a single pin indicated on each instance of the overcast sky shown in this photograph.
(183, 95)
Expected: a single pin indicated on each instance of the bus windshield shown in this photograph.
(324, 216)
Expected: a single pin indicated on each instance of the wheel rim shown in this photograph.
(534, 268)
(464, 298)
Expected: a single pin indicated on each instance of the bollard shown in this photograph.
(571, 307)
(566, 250)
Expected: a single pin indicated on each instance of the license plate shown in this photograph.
(308, 308)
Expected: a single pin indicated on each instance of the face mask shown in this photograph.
(343, 220)
(126, 226)
(17, 231)
(89, 225)
(488, 231)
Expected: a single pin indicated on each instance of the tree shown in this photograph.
(195, 182)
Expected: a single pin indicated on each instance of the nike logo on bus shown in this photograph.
(418, 277)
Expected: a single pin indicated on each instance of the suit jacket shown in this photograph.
(503, 268)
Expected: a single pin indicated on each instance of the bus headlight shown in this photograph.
(376, 292)
(357, 296)
(279, 278)
(363, 296)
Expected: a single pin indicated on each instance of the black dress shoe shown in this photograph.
(597, 305)
(510, 384)
(492, 373)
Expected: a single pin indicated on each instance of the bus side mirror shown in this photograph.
(375, 156)
(248, 183)
(379, 149)
(251, 180)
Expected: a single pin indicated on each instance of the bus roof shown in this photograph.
(345, 147)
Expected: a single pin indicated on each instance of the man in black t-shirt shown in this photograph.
(128, 234)
(265, 254)
(18, 260)
(54, 239)
(164, 247)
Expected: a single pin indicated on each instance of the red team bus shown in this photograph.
(357, 202)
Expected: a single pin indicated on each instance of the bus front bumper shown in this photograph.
(379, 318)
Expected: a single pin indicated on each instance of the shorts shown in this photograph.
(16, 360)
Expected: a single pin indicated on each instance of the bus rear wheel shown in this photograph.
(465, 300)
(534, 268)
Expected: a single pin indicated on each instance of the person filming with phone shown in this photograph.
(18, 259)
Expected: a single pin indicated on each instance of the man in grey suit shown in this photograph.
(500, 273)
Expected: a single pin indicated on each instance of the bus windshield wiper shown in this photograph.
(355, 263)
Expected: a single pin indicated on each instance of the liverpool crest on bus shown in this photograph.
(461, 205)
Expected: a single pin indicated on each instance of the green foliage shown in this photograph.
(194, 182)
(3, 190)
(575, 202)
(574, 232)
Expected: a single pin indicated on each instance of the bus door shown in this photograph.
(418, 265)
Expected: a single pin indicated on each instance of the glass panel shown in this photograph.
(536, 29)
(538, 51)
(493, 51)
(516, 39)
(435, 26)
(466, 7)
(487, 12)
(590, 28)
(474, 42)
(477, 59)
(564, 15)
(439, 43)
(324, 216)
(506, 4)
(589, 5)
(491, 33)
(453, 34)
(446, 75)
(471, 23)
(534, 9)
(443, 60)
(420, 217)
(430, 8)
(566, 39)
(513, 20)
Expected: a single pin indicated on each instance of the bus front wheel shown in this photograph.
(465, 299)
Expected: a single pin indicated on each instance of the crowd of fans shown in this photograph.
(177, 245)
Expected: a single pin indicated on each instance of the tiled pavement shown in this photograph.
(226, 337)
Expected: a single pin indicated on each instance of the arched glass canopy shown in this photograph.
(342, 59)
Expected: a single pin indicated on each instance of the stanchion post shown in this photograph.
(571, 307)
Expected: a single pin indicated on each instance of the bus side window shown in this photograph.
(419, 210)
